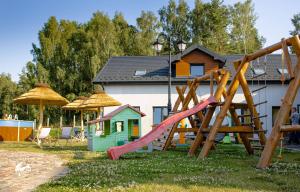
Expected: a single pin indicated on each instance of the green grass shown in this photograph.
(228, 168)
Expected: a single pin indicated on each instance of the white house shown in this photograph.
(142, 81)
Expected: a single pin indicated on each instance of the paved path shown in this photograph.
(40, 169)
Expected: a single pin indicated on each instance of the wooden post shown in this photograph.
(40, 121)
(244, 136)
(60, 121)
(199, 137)
(287, 58)
(285, 108)
(211, 84)
(74, 120)
(250, 103)
(179, 100)
(181, 96)
(82, 125)
(223, 112)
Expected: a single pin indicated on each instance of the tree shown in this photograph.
(8, 91)
(175, 21)
(296, 23)
(244, 36)
(197, 23)
(147, 25)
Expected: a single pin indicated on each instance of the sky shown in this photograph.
(20, 21)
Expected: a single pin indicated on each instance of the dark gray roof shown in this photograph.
(273, 62)
(194, 47)
(122, 69)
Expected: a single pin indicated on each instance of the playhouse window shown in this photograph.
(119, 126)
(196, 70)
(159, 114)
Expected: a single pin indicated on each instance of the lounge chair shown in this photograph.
(66, 134)
(43, 136)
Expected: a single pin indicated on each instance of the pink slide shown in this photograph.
(115, 152)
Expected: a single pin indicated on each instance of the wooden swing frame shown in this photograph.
(221, 76)
(239, 79)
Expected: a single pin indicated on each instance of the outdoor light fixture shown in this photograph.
(158, 47)
(181, 45)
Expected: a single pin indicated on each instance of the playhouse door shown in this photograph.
(133, 129)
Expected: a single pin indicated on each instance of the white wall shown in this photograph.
(147, 96)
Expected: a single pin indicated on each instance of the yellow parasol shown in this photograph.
(75, 106)
(41, 95)
(98, 100)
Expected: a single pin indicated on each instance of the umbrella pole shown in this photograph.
(40, 122)
(82, 127)
(98, 116)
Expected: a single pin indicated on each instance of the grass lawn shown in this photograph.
(228, 168)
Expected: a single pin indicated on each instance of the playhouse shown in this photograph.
(116, 128)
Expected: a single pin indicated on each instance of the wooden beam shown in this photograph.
(195, 99)
(184, 107)
(178, 101)
(223, 112)
(295, 43)
(181, 130)
(181, 96)
(207, 118)
(285, 108)
(233, 105)
(266, 50)
(287, 58)
(289, 128)
(234, 129)
(250, 103)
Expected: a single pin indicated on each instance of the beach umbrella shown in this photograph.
(41, 95)
(75, 105)
(99, 100)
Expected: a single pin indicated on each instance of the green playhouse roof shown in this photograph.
(115, 112)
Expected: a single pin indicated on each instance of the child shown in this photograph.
(295, 121)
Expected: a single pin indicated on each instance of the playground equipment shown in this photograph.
(120, 126)
(115, 152)
(165, 131)
(239, 79)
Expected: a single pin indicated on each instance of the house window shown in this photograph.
(275, 110)
(159, 114)
(196, 70)
(119, 126)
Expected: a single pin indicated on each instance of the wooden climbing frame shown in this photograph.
(191, 96)
(239, 79)
(287, 101)
(221, 76)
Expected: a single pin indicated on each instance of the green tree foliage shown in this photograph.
(148, 26)
(209, 25)
(175, 21)
(243, 35)
(296, 24)
(68, 54)
(8, 90)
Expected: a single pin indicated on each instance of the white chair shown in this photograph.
(66, 133)
(44, 135)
